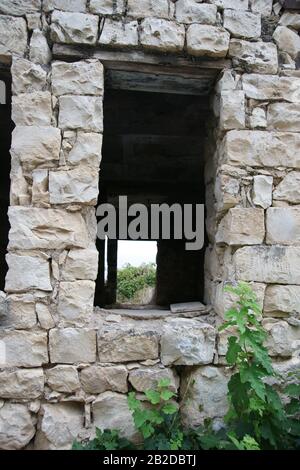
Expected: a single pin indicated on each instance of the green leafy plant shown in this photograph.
(104, 440)
(132, 279)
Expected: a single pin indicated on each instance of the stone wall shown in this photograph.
(65, 367)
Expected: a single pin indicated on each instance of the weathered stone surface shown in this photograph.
(274, 264)
(46, 228)
(24, 348)
(79, 185)
(161, 35)
(13, 37)
(262, 6)
(234, 4)
(33, 21)
(257, 57)
(242, 226)
(107, 7)
(40, 183)
(258, 118)
(193, 11)
(125, 344)
(110, 411)
(96, 379)
(21, 384)
(32, 109)
(288, 188)
(260, 149)
(19, 7)
(226, 192)
(272, 87)
(63, 378)
(27, 77)
(287, 41)
(283, 226)
(81, 112)
(86, 149)
(204, 394)
(284, 116)
(232, 110)
(150, 8)
(36, 146)
(280, 341)
(282, 299)
(77, 78)
(59, 425)
(65, 5)
(223, 301)
(19, 312)
(45, 318)
(242, 24)
(146, 378)
(74, 28)
(205, 40)
(75, 304)
(17, 427)
(195, 343)
(262, 191)
(35, 273)
(70, 345)
(80, 265)
(290, 19)
(40, 51)
(119, 33)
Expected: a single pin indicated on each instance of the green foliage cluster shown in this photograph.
(132, 279)
(258, 418)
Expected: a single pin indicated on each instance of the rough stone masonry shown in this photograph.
(68, 366)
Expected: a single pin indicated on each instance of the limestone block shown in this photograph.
(63, 379)
(17, 427)
(46, 229)
(194, 11)
(271, 87)
(262, 6)
(86, 149)
(225, 300)
(40, 51)
(287, 41)
(262, 191)
(260, 149)
(27, 384)
(27, 77)
(283, 226)
(80, 265)
(204, 394)
(70, 345)
(288, 188)
(81, 112)
(96, 379)
(125, 344)
(74, 28)
(119, 33)
(32, 109)
(242, 226)
(234, 4)
(13, 37)
(161, 35)
(228, 81)
(35, 273)
(65, 5)
(284, 116)
(75, 304)
(258, 118)
(36, 146)
(58, 426)
(107, 7)
(290, 19)
(146, 378)
(77, 78)
(271, 264)
(282, 299)
(40, 193)
(33, 21)
(195, 342)
(242, 24)
(111, 411)
(257, 57)
(203, 40)
(232, 110)
(226, 192)
(24, 348)
(79, 185)
(280, 341)
(45, 318)
(19, 7)
(20, 312)
(150, 8)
